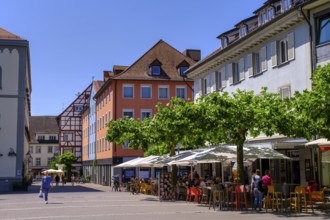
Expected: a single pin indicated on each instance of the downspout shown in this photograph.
(115, 110)
(313, 54)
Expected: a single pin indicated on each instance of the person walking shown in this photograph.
(46, 184)
(63, 180)
(72, 179)
(57, 179)
(257, 191)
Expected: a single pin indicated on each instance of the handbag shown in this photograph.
(41, 195)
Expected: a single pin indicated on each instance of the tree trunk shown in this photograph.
(174, 167)
(240, 164)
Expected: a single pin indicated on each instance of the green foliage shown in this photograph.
(67, 159)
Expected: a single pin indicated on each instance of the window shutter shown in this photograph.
(241, 69)
(274, 53)
(230, 73)
(208, 84)
(291, 46)
(223, 77)
(213, 82)
(263, 59)
(250, 64)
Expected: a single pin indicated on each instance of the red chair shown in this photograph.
(196, 193)
(238, 197)
(188, 197)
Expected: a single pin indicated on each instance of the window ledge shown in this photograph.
(323, 44)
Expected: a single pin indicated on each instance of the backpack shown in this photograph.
(260, 186)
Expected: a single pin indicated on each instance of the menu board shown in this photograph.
(165, 189)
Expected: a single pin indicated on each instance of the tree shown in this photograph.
(67, 159)
(230, 119)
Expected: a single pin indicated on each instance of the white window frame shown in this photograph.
(128, 86)
(145, 86)
(50, 149)
(184, 90)
(38, 161)
(128, 111)
(168, 91)
(31, 149)
(283, 48)
(243, 31)
(38, 149)
(285, 91)
(145, 111)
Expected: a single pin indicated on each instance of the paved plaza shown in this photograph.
(90, 201)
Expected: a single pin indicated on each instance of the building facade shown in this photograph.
(44, 144)
(278, 48)
(70, 127)
(134, 91)
(15, 93)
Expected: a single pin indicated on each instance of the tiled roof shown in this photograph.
(42, 125)
(6, 35)
(97, 84)
(169, 58)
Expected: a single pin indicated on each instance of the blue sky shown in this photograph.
(72, 41)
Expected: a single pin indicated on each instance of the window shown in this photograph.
(78, 108)
(50, 149)
(257, 62)
(286, 4)
(285, 92)
(155, 70)
(52, 137)
(67, 137)
(204, 86)
(145, 92)
(224, 42)
(31, 149)
(56, 150)
(282, 51)
(126, 144)
(323, 29)
(182, 69)
(163, 92)
(270, 13)
(41, 138)
(49, 160)
(181, 92)
(220, 79)
(243, 31)
(236, 71)
(128, 91)
(38, 149)
(38, 161)
(128, 113)
(145, 113)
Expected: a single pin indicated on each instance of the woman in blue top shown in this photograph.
(46, 184)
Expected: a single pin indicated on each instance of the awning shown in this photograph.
(313, 144)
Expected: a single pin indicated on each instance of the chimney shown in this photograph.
(118, 69)
(107, 74)
(193, 54)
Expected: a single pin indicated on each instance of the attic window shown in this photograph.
(155, 70)
(242, 31)
(182, 69)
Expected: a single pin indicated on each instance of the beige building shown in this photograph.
(44, 144)
(15, 90)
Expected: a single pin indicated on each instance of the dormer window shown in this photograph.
(182, 67)
(182, 70)
(286, 5)
(242, 31)
(155, 68)
(224, 42)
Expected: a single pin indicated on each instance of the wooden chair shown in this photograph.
(238, 197)
(298, 199)
(273, 199)
(317, 196)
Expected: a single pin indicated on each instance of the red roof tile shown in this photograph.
(6, 35)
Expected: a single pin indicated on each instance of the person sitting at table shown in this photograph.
(202, 183)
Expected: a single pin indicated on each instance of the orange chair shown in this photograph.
(238, 197)
(316, 196)
(188, 197)
(196, 193)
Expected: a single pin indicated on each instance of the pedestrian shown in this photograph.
(257, 191)
(46, 184)
(266, 181)
(57, 179)
(72, 179)
(63, 180)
